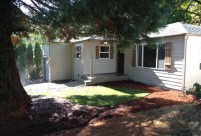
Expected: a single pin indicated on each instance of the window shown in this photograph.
(104, 52)
(151, 56)
(161, 56)
(139, 56)
(78, 52)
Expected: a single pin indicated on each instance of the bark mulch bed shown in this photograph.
(48, 115)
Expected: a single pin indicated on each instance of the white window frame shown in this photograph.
(104, 52)
(137, 55)
(80, 51)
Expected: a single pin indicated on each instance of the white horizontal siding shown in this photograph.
(99, 66)
(61, 58)
(170, 79)
(193, 60)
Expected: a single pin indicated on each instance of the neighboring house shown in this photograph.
(173, 62)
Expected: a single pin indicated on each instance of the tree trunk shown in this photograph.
(13, 98)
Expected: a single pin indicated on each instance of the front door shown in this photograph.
(120, 62)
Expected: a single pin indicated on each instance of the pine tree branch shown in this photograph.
(42, 11)
(199, 2)
(29, 6)
(46, 5)
(189, 5)
(191, 12)
(26, 16)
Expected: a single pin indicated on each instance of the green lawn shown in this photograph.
(97, 95)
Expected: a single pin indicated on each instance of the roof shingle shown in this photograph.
(177, 28)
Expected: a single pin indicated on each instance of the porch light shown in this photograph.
(105, 43)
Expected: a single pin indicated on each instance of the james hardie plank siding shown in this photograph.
(91, 63)
(61, 62)
(171, 79)
(193, 60)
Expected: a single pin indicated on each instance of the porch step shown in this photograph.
(105, 78)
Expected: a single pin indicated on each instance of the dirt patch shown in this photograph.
(48, 115)
(177, 120)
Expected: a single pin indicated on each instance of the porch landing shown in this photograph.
(101, 78)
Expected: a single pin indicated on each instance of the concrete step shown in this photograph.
(105, 78)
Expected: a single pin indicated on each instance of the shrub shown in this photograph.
(29, 61)
(20, 55)
(196, 91)
(29, 55)
(38, 59)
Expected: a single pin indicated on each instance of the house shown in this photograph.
(174, 61)
(90, 59)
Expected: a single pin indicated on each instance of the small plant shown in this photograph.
(196, 91)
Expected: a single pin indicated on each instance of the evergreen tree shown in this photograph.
(29, 55)
(13, 98)
(29, 61)
(22, 56)
(38, 59)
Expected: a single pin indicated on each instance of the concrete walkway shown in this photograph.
(52, 86)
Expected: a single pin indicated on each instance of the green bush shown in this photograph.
(196, 91)
(38, 59)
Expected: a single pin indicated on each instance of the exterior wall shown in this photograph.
(193, 60)
(88, 62)
(99, 66)
(160, 77)
(60, 62)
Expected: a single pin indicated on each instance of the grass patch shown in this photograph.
(96, 95)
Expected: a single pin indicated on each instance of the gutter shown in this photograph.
(184, 65)
(72, 47)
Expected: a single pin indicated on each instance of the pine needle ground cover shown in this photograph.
(96, 95)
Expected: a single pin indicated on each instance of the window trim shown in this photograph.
(137, 55)
(104, 52)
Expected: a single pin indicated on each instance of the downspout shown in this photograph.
(91, 62)
(184, 65)
(73, 56)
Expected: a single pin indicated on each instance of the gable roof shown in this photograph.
(177, 28)
(173, 29)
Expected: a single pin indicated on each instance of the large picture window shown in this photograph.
(104, 52)
(151, 56)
